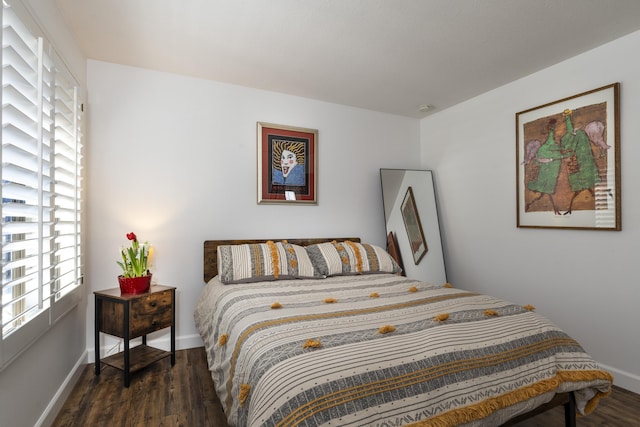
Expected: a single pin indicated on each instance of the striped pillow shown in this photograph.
(343, 258)
(263, 262)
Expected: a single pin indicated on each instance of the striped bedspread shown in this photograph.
(384, 350)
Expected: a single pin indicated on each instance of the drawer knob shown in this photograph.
(153, 303)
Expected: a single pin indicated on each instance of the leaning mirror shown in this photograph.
(411, 220)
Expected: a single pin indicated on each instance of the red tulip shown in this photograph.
(135, 259)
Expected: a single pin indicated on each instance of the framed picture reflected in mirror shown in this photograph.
(413, 226)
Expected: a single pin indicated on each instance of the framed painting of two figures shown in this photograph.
(568, 162)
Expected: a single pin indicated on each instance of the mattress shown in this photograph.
(384, 350)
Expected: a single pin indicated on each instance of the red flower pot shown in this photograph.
(134, 285)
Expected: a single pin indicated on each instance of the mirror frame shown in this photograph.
(428, 263)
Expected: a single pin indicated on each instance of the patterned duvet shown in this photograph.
(384, 350)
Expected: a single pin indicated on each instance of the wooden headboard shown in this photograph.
(211, 249)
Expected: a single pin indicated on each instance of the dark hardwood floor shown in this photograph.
(159, 395)
(183, 395)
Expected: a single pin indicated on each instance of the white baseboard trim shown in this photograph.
(182, 343)
(51, 411)
(626, 380)
(191, 341)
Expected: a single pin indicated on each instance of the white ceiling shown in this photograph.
(384, 55)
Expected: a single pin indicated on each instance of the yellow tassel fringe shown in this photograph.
(276, 305)
(386, 329)
(310, 343)
(490, 313)
(355, 249)
(223, 339)
(413, 289)
(485, 408)
(329, 300)
(374, 295)
(447, 285)
(529, 307)
(244, 393)
(274, 258)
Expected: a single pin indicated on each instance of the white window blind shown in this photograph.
(41, 187)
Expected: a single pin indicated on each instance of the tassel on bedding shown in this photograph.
(223, 339)
(311, 343)
(441, 317)
(244, 393)
(386, 329)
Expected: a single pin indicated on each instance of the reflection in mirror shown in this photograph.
(411, 216)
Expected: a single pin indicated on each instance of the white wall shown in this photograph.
(173, 159)
(34, 386)
(585, 281)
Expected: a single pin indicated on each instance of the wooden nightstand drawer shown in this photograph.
(151, 313)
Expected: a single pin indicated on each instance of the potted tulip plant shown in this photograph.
(135, 277)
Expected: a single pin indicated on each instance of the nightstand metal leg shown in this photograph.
(97, 309)
(127, 361)
(173, 328)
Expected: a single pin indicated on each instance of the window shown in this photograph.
(41, 186)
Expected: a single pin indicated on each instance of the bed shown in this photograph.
(307, 332)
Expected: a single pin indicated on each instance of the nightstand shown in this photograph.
(130, 316)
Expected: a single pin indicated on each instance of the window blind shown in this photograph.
(41, 187)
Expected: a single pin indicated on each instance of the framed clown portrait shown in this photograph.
(568, 162)
(287, 164)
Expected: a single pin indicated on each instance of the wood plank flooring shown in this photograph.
(159, 395)
(183, 395)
